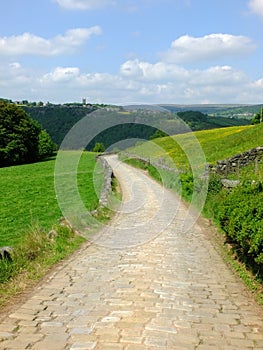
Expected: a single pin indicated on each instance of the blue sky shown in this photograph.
(132, 51)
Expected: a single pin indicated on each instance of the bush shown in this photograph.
(240, 216)
(46, 146)
(187, 181)
(214, 184)
(99, 147)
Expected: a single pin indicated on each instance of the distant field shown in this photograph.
(216, 144)
(28, 196)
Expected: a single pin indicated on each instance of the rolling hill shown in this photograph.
(216, 144)
(57, 120)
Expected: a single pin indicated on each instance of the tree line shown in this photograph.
(22, 140)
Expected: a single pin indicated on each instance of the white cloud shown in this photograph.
(15, 65)
(15, 81)
(61, 75)
(153, 72)
(256, 6)
(128, 6)
(258, 84)
(214, 46)
(217, 84)
(30, 44)
(217, 76)
(84, 4)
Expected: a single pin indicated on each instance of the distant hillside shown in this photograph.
(200, 121)
(219, 110)
(57, 120)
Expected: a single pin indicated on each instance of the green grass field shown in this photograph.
(28, 196)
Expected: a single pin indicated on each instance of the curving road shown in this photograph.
(142, 283)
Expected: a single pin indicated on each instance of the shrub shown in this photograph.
(99, 147)
(187, 181)
(46, 146)
(214, 184)
(240, 216)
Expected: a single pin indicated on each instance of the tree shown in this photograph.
(158, 134)
(99, 147)
(258, 117)
(46, 146)
(21, 139)
(18, 136)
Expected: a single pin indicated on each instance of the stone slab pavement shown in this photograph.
(141, 283)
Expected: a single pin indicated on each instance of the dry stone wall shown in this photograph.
(233, 164)
(160, 164)
(107, 185)
(222, 167)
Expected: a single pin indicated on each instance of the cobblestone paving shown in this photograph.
(142, 283)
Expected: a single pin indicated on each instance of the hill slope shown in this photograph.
(216, 144)
(57, 120)
(219, 110)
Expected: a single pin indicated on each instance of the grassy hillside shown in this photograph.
(28, 196)
(216, 144)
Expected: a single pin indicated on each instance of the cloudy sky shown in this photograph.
(132, 51)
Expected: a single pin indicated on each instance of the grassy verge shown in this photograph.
(30, 220)
(254, 286)
(33, 258)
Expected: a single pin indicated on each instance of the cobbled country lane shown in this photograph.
(140, 283)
